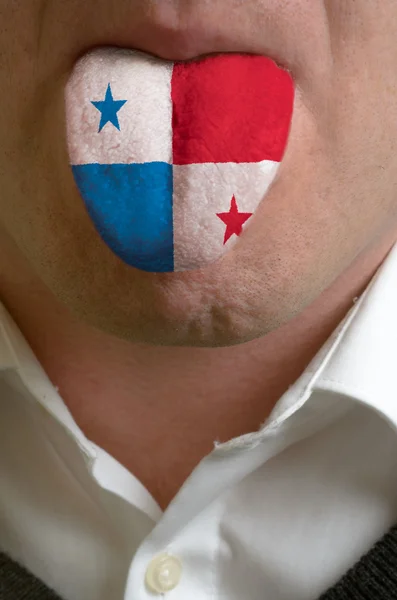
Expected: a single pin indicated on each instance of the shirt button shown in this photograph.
(163, 573)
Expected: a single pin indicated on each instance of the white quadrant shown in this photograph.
(203, 190)
(145, 120)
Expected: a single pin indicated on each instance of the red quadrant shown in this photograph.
(230, 108)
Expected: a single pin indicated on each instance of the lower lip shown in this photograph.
(172, 160)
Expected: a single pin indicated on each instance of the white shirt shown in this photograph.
(279, 514)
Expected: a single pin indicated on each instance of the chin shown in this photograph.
(214, 307)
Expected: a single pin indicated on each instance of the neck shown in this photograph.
(131, 398)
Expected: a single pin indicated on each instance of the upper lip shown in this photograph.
(186, 30)
(170, 35)
(174, 44)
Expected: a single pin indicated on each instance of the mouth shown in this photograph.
(173, 157)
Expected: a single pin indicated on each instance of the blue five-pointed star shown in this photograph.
(109, 109)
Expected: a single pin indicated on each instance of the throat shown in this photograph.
(163, 449)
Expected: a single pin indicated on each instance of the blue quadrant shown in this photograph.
(131, 207)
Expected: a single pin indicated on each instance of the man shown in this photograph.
(225, 433)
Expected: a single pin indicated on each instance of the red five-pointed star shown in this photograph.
(234, 220)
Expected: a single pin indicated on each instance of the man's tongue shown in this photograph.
(172, 159)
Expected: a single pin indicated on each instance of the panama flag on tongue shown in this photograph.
(172, 159)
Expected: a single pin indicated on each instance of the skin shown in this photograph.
(178, 360)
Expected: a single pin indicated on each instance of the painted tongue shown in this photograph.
(172, 159)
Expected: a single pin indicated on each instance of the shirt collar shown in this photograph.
(364, 365)
(358, 360)
(20, 367)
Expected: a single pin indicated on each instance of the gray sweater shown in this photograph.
(373, 577)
